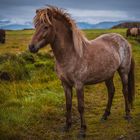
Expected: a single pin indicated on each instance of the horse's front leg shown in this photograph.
(68, 95)
(80, 98)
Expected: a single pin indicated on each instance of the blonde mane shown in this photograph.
(79, 38)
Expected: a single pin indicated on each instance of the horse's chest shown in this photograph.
(64, 74)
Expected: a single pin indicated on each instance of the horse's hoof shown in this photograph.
(128, 118)
(105, 116)
(81, 134)
(66, 128)
(103, 119)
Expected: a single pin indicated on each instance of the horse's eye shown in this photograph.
(46, 27)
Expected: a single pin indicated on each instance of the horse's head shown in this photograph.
(44, 31)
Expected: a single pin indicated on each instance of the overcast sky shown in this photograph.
(92, 11)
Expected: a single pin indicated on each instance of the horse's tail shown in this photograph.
(131, 83)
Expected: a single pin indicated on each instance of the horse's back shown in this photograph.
(111, 40)
(113, 44)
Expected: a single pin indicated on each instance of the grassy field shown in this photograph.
(32, 102)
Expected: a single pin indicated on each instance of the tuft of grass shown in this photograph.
(27, 56)
(12, 68)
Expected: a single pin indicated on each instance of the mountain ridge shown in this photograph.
(82, 25)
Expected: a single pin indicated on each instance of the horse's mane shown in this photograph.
(79, 38)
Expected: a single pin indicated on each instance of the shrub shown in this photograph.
(12, 68)
(27, 56)
(44, 71)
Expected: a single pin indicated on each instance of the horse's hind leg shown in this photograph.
(111, 90)
(68, 95)
(124, 77)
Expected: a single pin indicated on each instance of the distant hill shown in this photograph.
(100, 25)
(127, 25)
(82, 25)
(16, 27)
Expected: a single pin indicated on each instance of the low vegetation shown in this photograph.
(32, 101)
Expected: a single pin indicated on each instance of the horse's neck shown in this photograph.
(62, 46)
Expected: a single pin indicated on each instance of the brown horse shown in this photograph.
(81, 62)
(133, 32)
(2, 36)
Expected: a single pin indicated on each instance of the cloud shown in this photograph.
(21, 15)
(91, 11)
(95, 16)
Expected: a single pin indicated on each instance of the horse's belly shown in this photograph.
(101, 72)
(94, 79)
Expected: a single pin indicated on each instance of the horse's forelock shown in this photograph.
(41, 17)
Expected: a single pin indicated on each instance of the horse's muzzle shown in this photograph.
(33, 49)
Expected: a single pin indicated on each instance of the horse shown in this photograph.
(2, 36)
(80, 62)
(133, 32)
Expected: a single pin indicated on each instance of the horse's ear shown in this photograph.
(49, 13)
(37, 11)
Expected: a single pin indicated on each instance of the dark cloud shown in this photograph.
(25, 9)
(86, 4)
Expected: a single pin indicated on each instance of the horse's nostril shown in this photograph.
(32, 49)
(31, 46)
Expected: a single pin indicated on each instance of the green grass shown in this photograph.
(34, 107)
